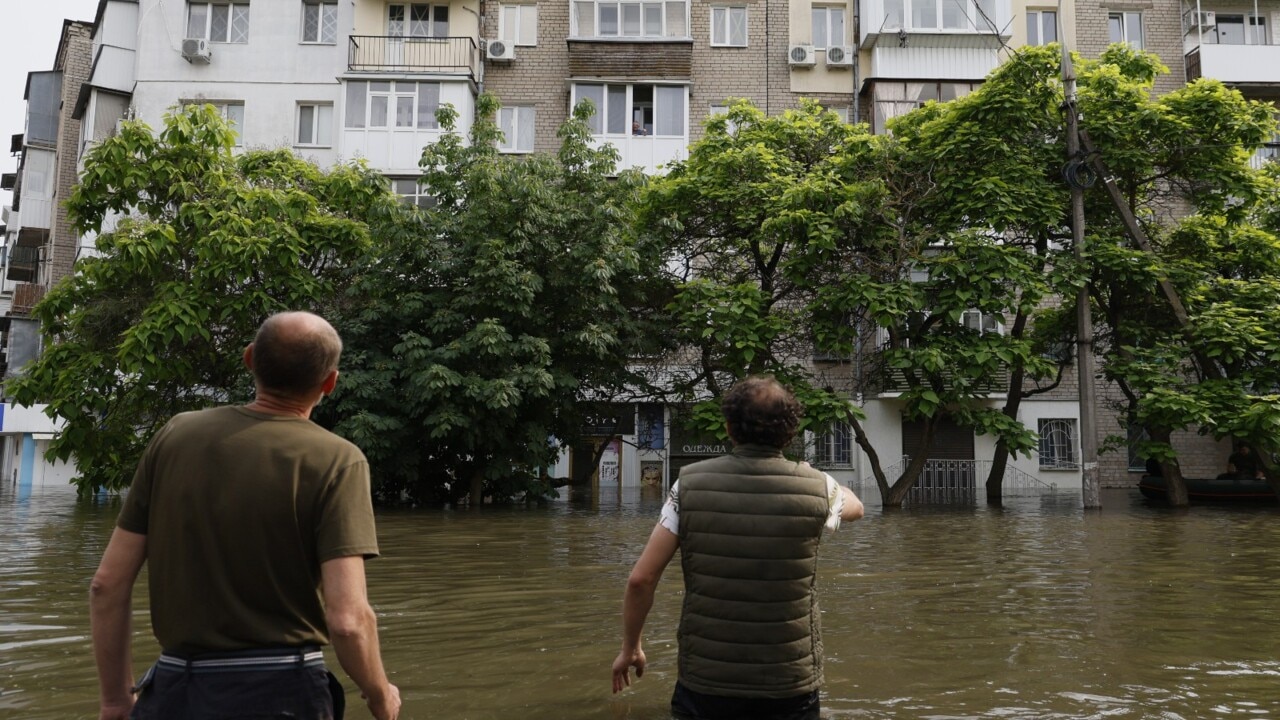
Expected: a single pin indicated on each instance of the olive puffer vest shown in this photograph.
(750, 525)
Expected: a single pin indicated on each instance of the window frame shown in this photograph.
(1038, 23)
(392, 95)
(224, 111)
(726, 26)
(207, 33)
(668, 22)
(833, 447)
(407, 21)
(1050, 432)
(522, 22)
(320, 6)
(419, 199)
(509, 144)
(1125, 16)
(316, 140)
(826, 11)
(602, 111)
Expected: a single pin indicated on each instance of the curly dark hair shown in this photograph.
(761, 411)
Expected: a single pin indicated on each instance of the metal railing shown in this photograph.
(392, 54)
(961, 480)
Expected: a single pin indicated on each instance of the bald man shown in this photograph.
(255, 524)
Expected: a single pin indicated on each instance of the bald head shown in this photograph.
(294, 352)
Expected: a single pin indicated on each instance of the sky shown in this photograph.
(29, 34)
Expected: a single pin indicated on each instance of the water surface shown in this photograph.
(1034, 610)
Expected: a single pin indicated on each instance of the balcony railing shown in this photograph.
(23, 263)
(391, 54)
(25, 297)
(959, 480)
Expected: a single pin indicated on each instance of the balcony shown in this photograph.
(888, 382)
(921, 24)
(414, 55)
(1269, 152)
(663, 59)
(22, 266)
(1235, 64)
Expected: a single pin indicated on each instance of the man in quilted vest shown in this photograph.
(748, 526)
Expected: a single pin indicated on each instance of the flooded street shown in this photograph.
(1034, 610)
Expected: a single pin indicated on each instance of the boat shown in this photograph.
(1212, 489)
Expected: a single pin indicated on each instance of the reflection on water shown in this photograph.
(1034, 610)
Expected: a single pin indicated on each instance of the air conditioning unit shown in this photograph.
(1206, 19)
(840, 56)
(500, 50)
(196, 50)
(801, 55)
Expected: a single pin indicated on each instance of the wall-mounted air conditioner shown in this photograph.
(196, 50)
(801, 56)
(1206, 19)
(500, 50)
(840, 56)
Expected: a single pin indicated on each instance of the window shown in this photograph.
(1042, 27)
(218, 22)
(412, 194)
(1058, 444)
(892, 99)
(319, 22)
(516, 124)
(1126, 27)
(315, 124)
(828, 27)
(635, 109)
(400, 104)
(1137, 436)
(950, 15)
(833, 447)
(418, 21)
(232, 112)
(518, 24)
(729, 26)
(610, 18)
(981, 322)
(1230, 30)
(730, 126)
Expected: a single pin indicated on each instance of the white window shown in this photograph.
(418, 21)
(516, 124)
(828, 27)
(611, 18)
(231, 111)
(385, 104)
(1126, 27)
(518, 24)
(635, 109)
(315, 125)
(218, 22)
(950, 15)
(319, 22)
(729, 26)
(833, 447)
(1042, 27)
(411, 193)
(981, 322)
(1058, 444)
(1231, 30)
(730, 126)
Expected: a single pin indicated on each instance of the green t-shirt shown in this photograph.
(240, 509)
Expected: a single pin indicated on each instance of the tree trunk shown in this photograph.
(1175, 486)
(995, 478)
(860, 436)
(911, 474)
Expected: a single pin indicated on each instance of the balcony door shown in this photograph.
(411, 24)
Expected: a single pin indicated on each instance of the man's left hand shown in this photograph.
(117, 710)
(622, 668)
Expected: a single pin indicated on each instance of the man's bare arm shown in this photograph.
(353, 628)
(110, 611)
(638, 600)
(852, 508)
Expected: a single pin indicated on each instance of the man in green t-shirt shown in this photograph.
(255, 524)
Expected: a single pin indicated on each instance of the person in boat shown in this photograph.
(255, 524)
(1241, 464)
(748, 526)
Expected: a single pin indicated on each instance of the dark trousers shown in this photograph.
(689, 705)
(297, 692)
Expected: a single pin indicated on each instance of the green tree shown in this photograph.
(206, 245)
(481, 329)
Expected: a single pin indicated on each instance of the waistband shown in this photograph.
(274, 659)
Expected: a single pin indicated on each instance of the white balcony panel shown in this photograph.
(1241, 63)
(646, 153)
(932, 63)
(957, 23)
(37, 188)
(114, 68)
(391, 151)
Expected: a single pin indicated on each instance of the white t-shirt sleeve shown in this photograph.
(835, 503)
(670, 518)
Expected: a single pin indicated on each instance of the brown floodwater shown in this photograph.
(1034, 610)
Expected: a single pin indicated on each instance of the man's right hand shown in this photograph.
(386, 707)
(622, 668)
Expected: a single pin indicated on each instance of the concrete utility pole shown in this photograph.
(1084, 321)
